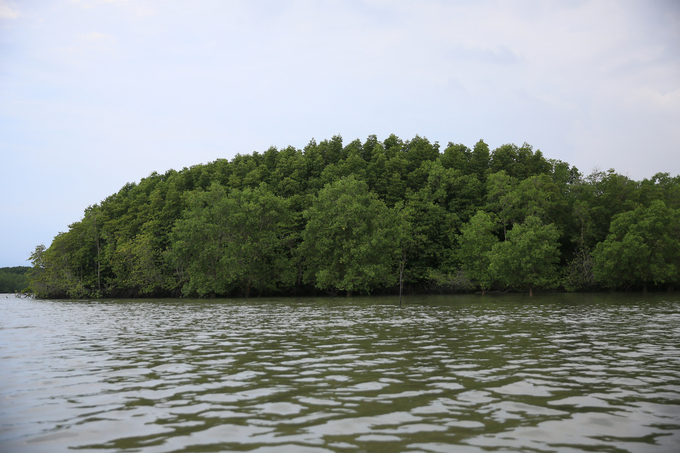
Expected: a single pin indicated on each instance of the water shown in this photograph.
(561, 373)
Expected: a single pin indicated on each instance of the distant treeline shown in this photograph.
(13, 279)
(365, 218)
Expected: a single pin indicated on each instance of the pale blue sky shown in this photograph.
(96, 93)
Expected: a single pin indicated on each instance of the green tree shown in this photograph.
(13, 279)
(456, 156)
(432, 233)
(528, 258)
(578, 273)
(416, 153)
(663, 187)
(95, 236)
(539, 196)
(502, 198)
(519, 162)
(455, 191)
(479, 160)
(607, 194)
(136, 266)
(57, 270)
(476, 242)
(643, 246)
(348, 243)
(233, 240)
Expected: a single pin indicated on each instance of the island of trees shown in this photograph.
(370, 217)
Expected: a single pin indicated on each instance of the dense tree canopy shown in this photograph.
(350, 240)
(643, 247)
(528, 258)
(476, 242)
(13, 279)
(227, 241)
(359, 217)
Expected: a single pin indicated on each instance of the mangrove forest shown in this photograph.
(370, 217)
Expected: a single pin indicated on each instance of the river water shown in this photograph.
(552, 373)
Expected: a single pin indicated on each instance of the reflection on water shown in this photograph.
(554, 373)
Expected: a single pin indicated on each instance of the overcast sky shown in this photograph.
(98, 93)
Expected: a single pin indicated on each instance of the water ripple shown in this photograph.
(563, 373)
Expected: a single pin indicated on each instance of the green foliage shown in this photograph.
(13, 279)
(502, 198)
(137, 263)
(432, 230)
(528, 258)
(607, 194)
(476, 242)
(514, 200)
(236, 239)
(349, 242)
(52, 274)
(578, 274)
(261, 223)
(662, 187)
(643, 247)
(459, 193)
(519, 162)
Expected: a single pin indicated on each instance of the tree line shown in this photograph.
(13, 279)
(366, 217)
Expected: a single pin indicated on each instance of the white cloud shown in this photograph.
(94, 36)
(8, 10)
(140, 8)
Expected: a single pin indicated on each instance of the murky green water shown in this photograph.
(559, 373)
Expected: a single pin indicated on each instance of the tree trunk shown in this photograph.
(531, 293)
(349, 293)
(401, 280)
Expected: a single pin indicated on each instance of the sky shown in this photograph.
(98, 93)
